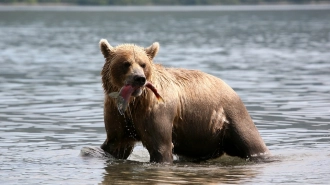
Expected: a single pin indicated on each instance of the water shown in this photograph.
(51, 98)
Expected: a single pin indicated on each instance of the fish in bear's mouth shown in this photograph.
(128, 90)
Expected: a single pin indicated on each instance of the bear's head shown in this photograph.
(127, 64)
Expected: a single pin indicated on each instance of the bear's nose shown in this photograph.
(139, 80)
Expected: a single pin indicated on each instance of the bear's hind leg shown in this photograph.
(243, 141)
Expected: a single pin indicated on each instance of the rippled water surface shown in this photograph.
(51, 97)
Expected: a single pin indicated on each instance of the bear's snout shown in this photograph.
(139, 80)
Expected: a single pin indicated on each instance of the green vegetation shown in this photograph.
(158, 2)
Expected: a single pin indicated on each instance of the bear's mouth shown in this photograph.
(137, 91)
(124, 96)
(128, 90)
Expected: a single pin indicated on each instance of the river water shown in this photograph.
(277, 58)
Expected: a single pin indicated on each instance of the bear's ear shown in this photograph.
(106, 48)
(152, 50)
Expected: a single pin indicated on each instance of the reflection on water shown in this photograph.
(51, 93)
(176, 174)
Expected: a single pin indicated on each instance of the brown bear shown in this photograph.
(200, 118)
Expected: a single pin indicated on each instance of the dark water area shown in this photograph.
(51, 97)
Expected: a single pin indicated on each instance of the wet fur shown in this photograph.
(202, 117)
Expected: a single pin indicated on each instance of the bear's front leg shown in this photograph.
(118, 143)
(157, 138)
(161, 153)
(119, 150)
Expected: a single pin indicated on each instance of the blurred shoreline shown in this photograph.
(259, 7)
(220, 3)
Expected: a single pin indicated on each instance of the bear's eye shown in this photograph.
(127, 64)
(143, 65)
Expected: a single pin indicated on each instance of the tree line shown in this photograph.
(158, 2)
